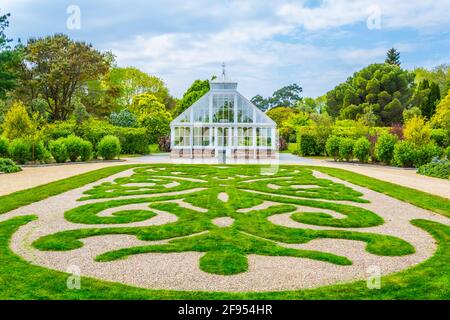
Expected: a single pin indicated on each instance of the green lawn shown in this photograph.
(225, 249)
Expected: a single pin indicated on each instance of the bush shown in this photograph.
(58, 130)
(417, 130)
(133, 140)
(38, 151)
(85, 150)
(404, 154)
(20, 151)
(346, 149)
(8, 166)
(384, 148)
(447, 153)
(440, 137)
(306, 144)
(58, 150)
(124, 118)
(426, 153)
(109, 147)
(362, 149)
(4, 145)
(73, 146)
(332, 147)
(436, 168)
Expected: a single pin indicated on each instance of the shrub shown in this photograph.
(362, 149)
(58, 150)
(73, 146)
(58, 130)
(404, 154)
(346, 149)
(133, 140)
(436, 168)
(440, 137)
(306, 144)
(417, 130)
(20, 151)
(38, 151)
(426, 153)
(8, 166)
(164, 144)
(4, 144)
(332, 147)
(124, 118)
(109, 147)
(17, 123)
(447, 152)
(85, 150)
(384, 148)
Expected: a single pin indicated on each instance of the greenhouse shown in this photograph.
(223, 124)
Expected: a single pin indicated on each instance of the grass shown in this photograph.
(429, 280)
(22, 198)
(418, 198)
(240, 238)
(20, 280)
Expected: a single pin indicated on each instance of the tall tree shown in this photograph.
(7, 58)
(287, 96)
(384, 89)
(393, 57)
(197, 90)
(56, 68)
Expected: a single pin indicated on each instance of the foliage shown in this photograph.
(20, 151)
(124, 118)
(384, 148)
(55, 67)
(447, 152)
(109, 147)
(332, 147)
(346, 149)
(404, 154)
(393, 57)
(80, 114)
(441, 137)
(417, 131)
(284, 118)
(86, 150)
(133, 140)
(436, 168)
(152, 115)
(164, 144)
(17, 123)
(426, 153)
(307, 144)
(74, 146)
(130, 82)
(439, 75)
(349, 129)
(197, 90)
(441, 118)
(8, 58)
(8, 166)
(384, 89)
(59, 129)
(362, 149)
(287, 96)
(397, 130)
(58, 150)
(4, 145)
(410, 113)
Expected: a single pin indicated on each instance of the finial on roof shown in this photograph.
(223, 71)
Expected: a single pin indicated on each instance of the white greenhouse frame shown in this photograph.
(223, 122)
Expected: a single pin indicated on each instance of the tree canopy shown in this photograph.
(55, 68)
(393, 57)
(197, 90)
(383, 89)
(7, 58)
(287, 96)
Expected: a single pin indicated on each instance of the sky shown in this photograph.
(265, 44)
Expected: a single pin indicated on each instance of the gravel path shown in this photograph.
(180, 271)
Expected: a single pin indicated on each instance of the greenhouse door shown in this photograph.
(223, 139)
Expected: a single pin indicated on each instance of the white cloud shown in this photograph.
(394, 14)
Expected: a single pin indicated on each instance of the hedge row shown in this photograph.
(388, 149)
(132, 140)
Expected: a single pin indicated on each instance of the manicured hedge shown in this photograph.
(109, 147)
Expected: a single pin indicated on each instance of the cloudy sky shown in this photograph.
(266, 44)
